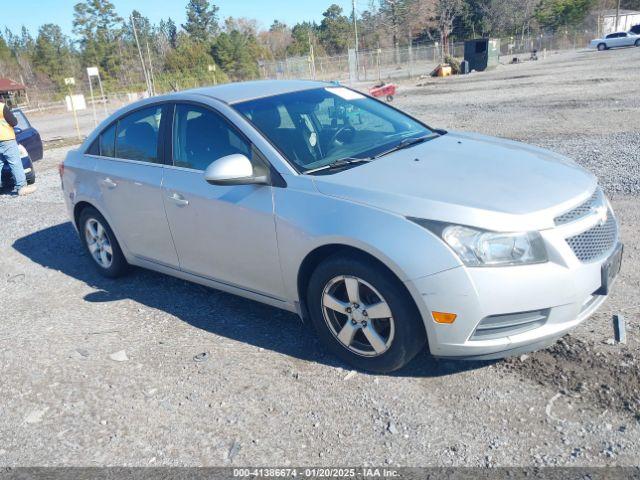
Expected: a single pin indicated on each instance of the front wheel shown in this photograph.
(363, 314)
(638, 43)
(101, 244)
(602, 47)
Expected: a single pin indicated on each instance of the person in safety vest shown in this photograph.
(10, 154)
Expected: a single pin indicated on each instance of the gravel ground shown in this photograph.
(151, 370)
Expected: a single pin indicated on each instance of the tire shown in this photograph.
(397, 338)
(31, 177)
(602, 47)
(637, 43)
(389, 98)
(101, 245)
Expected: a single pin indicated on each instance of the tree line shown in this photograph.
(212, 49)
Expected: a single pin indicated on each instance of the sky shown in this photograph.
(34, 13)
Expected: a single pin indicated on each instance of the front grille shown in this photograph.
(596, 242)
(499, 326)
(581, 210)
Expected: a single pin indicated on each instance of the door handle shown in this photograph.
(107, 182)
(178, 200)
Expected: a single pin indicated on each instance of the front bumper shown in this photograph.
(564, 291)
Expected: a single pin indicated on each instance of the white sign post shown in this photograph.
(69, 82)
(212, 69)
(94, 72)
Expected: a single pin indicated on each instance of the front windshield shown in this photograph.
(318, 127)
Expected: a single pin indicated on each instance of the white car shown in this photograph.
(617, 39)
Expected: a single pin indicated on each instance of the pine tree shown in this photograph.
(98, 26)
(237, 54)
(335, 30)
(52, 53)
(171, 32)
(202, 20)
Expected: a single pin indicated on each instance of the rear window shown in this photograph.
(23, 123)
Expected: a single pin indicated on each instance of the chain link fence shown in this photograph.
(411, 61)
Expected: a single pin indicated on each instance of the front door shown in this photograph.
(224, 233)
(129, 176)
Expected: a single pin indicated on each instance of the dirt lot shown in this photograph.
(266, 393)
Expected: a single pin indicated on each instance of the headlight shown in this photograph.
(480, 248)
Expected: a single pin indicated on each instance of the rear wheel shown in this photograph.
(101, 244)
(638, 43)
(363, 314)
(31, 177)
(602, 46)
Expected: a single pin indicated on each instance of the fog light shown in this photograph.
(444, 317)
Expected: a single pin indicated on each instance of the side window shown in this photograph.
(201, 136)
(94, 149)
(104, 144)
(137, 135)
(107, 141)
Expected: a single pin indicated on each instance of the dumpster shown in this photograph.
(482, 53)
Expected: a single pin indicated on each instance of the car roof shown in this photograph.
(243, 91)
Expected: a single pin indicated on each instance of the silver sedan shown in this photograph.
(387, 235)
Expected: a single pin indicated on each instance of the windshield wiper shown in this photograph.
(343, 162)
(408, 142)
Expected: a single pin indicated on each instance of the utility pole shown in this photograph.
(617, 15)
(312, 57)
(153, 80)
(355, 28)
(144, 69)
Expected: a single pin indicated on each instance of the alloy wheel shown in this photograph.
(98, 243)
(358, 316)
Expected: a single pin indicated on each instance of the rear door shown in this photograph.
(129, 174)
(627, 40)
(224, 233)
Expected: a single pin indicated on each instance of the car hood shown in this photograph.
(468, 179)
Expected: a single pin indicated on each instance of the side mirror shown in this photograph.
(234, 169)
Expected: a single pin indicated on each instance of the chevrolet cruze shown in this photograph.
(386, 234)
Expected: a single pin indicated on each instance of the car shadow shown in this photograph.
(230, 316)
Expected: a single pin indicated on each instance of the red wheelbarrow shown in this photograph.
(387, 90)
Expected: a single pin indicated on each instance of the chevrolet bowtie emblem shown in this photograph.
(601, 213)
